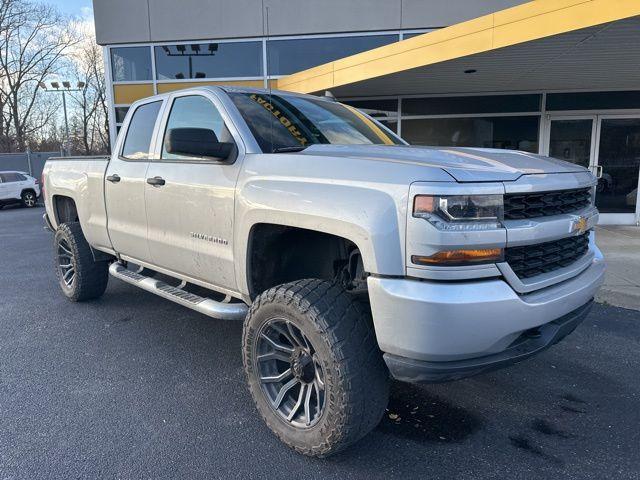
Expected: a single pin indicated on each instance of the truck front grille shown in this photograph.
(531, 260)
(518, 206)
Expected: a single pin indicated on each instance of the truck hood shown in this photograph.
(463, 164)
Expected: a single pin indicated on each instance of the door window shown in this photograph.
(11, 177)
(194, 111)
(137, 145)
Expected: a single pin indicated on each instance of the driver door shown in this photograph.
(190, 201)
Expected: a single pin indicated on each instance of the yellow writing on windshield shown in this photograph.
(286, 123)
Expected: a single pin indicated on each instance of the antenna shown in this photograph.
(269, 81)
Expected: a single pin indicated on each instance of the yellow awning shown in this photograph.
(529, 22)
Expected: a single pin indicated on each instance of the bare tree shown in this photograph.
(33, 40)
(90, 102)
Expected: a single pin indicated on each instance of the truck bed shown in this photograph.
(82, 179)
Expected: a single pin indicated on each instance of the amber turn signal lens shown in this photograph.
(460, 257)
(424, 204)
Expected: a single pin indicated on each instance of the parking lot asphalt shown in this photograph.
(133, 386)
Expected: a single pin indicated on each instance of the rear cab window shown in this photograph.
(137, 143)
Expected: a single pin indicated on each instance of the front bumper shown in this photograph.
(458, 323)
(526, 345)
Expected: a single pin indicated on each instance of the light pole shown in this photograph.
(66, 87)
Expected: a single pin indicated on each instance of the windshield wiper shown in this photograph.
(288, 149)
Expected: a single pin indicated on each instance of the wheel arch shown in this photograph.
(64, 209)
(278, 253)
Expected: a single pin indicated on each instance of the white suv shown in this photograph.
(18, 187)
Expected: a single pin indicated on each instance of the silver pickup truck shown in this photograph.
(350, 256)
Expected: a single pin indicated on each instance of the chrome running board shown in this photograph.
(207, 306)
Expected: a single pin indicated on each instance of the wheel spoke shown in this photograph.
(295, 408)
(66, 275)
(66, 265)
(65, 249)
(275, 355)
(317, 389)
(277, 345)
(276, 378)
(283, 391)
(296, 338)
(307, 406)
(318, 377)
(285, 334)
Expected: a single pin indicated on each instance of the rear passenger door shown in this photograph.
(190, 216)
(125, 183)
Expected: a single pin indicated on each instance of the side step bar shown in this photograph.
(211, 308)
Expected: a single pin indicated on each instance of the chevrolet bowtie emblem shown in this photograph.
(579, 225)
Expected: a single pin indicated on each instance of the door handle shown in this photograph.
(156, 181)
(115, 178)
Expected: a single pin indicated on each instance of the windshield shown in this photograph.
(287, 122)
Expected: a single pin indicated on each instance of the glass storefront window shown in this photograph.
(514, 133)
(209, 60)
(130, 64)
(471, 104)
(570, 140)
(406, 36)
(289, 56)
(593, 100)
(619, 156)
(121, 112)
(378, 109)
(391, 125)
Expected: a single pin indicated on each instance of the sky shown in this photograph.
(71, 7)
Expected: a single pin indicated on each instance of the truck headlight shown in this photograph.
(460, 212)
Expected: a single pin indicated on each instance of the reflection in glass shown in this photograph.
(283, 122)
(289, 56)
(209, 60)
(194, 111)
(619, 157)
(513, 133)
(137, 145)
(570, 140)
(130, 64)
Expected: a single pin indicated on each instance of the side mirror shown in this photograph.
(197, 142)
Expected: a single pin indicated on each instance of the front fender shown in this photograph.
(371, 217)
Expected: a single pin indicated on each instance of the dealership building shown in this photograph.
(555, 77)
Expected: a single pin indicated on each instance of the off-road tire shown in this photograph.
(91, 277)
(356, 379)
(29, 199)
